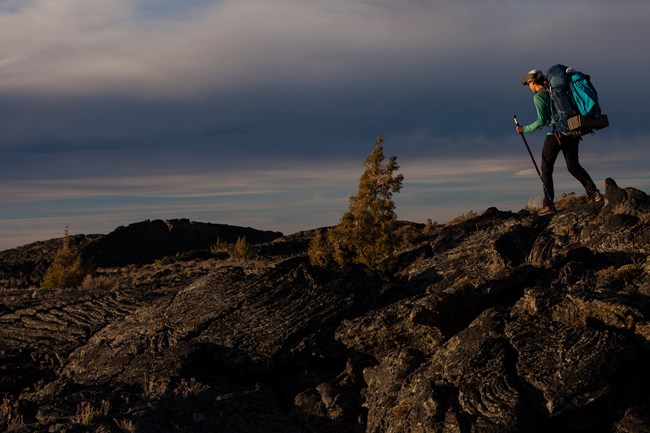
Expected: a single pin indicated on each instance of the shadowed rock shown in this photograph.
(147, 241)
(631, 198)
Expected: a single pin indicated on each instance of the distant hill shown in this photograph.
(500, 322)
(138, 243)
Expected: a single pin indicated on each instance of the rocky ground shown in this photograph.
(499, 322)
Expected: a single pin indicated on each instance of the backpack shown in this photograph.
(576, 102)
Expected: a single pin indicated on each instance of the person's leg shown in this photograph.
(570, 147)
(549, 153)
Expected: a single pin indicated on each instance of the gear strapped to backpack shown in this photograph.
(576, 102)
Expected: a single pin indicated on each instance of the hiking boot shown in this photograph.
(597, 197)
(548, 209)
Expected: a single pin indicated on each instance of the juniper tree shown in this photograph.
(365, 233)
(67, 269)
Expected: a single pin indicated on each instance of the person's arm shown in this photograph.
(543, 114)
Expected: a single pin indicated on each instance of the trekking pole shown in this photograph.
(548, 196)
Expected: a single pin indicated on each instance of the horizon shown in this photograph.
(446, 181)
(260, 113)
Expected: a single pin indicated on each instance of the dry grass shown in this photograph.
(462, 218)
(570, 201)
(220, 247)
(87, 414)
(190, 388)
(9, 416)
(100, 282)
(127, 426)
(240, 250)
(153, 388)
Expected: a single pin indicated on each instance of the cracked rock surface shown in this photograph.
(499, 322)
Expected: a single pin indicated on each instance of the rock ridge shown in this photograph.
(498, 322)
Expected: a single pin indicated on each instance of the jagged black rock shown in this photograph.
(499, 322)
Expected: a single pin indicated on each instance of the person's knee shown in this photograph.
(574, 167)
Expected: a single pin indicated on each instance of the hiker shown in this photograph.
(554, 143)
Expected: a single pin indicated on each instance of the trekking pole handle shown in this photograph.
(514, 117)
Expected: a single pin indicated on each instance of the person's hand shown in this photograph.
(519, 129)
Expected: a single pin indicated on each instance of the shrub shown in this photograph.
(430, 227)
(462, 218)
(126, 425)
(242, 250)
(67, 269)
(154, 388)
(88, 415)
(220, 247)
(100, 282)
(319, 251)
(365, 233)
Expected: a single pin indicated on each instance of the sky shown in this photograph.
(260, 112)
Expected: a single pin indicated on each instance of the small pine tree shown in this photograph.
(429, 227)
(319, 249)
(365, 233)
(67, 269)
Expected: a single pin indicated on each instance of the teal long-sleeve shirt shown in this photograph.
(543, 106)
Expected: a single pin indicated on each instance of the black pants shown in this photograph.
(569, 147)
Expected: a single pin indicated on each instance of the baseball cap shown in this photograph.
(532, 75)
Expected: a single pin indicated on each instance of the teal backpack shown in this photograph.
(584, 94)
(576, 102)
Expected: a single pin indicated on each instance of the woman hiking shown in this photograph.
(554, 143)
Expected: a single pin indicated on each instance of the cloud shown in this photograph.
(219, 183)
(68, 47)
(234, 45)
(121, 73)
